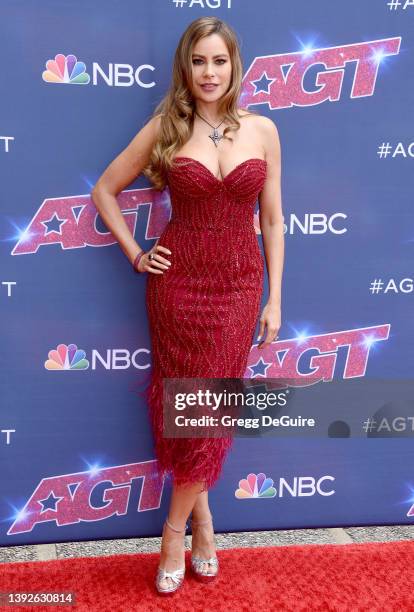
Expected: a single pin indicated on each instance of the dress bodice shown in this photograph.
(200, 199)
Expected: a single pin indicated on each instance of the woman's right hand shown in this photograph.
(158, 264)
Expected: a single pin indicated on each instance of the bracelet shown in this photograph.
(136, 260)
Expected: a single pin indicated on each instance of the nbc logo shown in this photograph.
(66, 69)
(255, 486)
(66, 357)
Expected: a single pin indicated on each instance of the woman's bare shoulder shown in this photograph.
(244, 113)
(258, 120)
(267, 125)
(259, 125)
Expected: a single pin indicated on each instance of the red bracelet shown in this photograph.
(136, 260)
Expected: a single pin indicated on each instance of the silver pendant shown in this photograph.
(215, 137)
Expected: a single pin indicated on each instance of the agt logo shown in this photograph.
(313, 76)
(91, 496)
(257, 486)
(67, 69)
(310, 359)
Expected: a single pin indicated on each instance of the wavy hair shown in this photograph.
(177, 108)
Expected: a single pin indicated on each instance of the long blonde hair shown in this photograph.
(177, 108)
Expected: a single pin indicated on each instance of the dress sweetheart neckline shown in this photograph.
(227, 175)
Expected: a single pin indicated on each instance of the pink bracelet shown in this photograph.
(136, 260)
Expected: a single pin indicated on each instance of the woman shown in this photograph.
(205, 272)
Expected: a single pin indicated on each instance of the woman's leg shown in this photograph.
(172, 545)
(203, 544)
(201, 510)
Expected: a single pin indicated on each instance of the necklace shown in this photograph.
(215, 136)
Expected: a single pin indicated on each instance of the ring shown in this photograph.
(151, 256)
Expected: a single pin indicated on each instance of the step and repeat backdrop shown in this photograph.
(76, 448)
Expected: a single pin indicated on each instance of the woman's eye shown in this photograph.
(199, 60)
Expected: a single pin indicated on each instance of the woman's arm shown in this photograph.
(272, 228)
(118, 175)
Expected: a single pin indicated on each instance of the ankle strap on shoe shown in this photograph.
(174, 529)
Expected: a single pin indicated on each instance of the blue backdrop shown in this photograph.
(76, 449)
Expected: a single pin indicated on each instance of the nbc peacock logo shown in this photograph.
(66, 69)
(66, 357)
(255, 486)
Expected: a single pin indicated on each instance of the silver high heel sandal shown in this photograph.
(204, 575)
(177, 576)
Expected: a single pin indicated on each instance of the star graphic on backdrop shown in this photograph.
(54, 220)
(259, 367)
(50, 502)
(262, 84)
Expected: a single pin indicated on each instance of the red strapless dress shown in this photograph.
(203, 310)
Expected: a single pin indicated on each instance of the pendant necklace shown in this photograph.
(215, 136)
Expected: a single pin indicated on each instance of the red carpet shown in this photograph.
(350, 577)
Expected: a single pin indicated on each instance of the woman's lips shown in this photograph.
(209, 87)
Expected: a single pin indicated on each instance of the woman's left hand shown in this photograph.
(271, 317)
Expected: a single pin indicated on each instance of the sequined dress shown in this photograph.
(203, 310)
